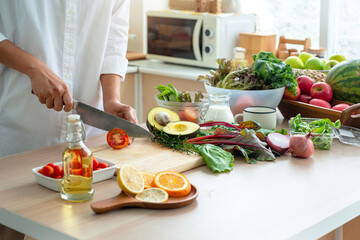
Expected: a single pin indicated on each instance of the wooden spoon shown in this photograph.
(124, 200)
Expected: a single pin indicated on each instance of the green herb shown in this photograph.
(216, 158)
(320, 129)
(174, 143)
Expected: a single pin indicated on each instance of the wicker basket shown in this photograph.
(182, 4)
(290, 108)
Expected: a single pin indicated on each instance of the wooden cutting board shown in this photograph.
(149, 156)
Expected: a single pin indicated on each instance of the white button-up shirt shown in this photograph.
(78, 40)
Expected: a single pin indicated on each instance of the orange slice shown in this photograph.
(175, 184)
(148, 179)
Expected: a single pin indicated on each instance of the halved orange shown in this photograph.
(174, 183)
(148, 178)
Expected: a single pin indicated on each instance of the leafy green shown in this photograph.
(216, 158)
(267, 72)
(266, 131)
(170, 93)
(273, 71)
(320, 129)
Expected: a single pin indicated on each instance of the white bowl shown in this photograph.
(239, 99)
(55, 184)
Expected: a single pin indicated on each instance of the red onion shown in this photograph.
(301, 146)
(278, 142)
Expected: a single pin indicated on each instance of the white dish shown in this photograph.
(55, 184)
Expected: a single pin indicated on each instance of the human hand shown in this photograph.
(121, 110)
(50, 89)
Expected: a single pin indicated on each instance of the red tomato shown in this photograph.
(47, 171)
(75, 164)
(117, 138)
(51, 165)
(98, 169)
(102, 165)
(95, 163)
(76, 171)
(58, 171)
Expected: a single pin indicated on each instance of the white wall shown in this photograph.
(137, 31)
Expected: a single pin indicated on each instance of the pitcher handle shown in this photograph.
(202, 111)
(238, 115)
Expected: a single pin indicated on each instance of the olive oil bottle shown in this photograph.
(76, 185)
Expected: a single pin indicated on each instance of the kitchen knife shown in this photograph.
(100, 119)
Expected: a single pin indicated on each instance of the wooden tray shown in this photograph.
(290, 108)
(125, 200)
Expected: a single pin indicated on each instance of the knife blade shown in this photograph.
(100, 119)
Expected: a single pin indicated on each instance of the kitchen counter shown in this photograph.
(289, 198)
(167, 69)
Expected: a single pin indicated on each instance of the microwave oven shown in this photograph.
(195, 39)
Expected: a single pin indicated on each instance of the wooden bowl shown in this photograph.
(290, 108)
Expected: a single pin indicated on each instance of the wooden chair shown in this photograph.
(283, 52)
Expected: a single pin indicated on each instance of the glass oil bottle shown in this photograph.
(76, 185)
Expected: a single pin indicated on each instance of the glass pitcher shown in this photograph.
(217, 109)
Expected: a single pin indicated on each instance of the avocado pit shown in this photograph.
(162, 118)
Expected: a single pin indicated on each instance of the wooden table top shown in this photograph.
(289, 198)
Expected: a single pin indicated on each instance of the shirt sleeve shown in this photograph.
(115, 61)
(2, 37)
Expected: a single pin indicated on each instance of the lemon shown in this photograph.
(153, 195)
(130, 180)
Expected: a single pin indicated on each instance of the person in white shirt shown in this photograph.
(52, 52)
(59, 50)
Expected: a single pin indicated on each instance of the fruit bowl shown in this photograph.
(239, 99)
(187, 111)
(55, 184)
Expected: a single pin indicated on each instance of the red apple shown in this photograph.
(290, 95)
(321, 90)
(340, 107)
(305, 84)
(304, 98)
(320, 103)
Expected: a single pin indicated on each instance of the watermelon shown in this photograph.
(344, 79)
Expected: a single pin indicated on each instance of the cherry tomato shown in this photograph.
(76, 171)
(51, 165)
(102, 165)
(95, 163)
(97, 169)
(58, 171)
(47, 171)
(117, 138)
(75, 164)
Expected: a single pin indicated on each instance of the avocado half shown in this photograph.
(159, 117)
(184, 129)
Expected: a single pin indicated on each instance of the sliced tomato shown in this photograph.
(117, 138)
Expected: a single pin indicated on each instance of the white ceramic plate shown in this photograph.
(55, 184)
